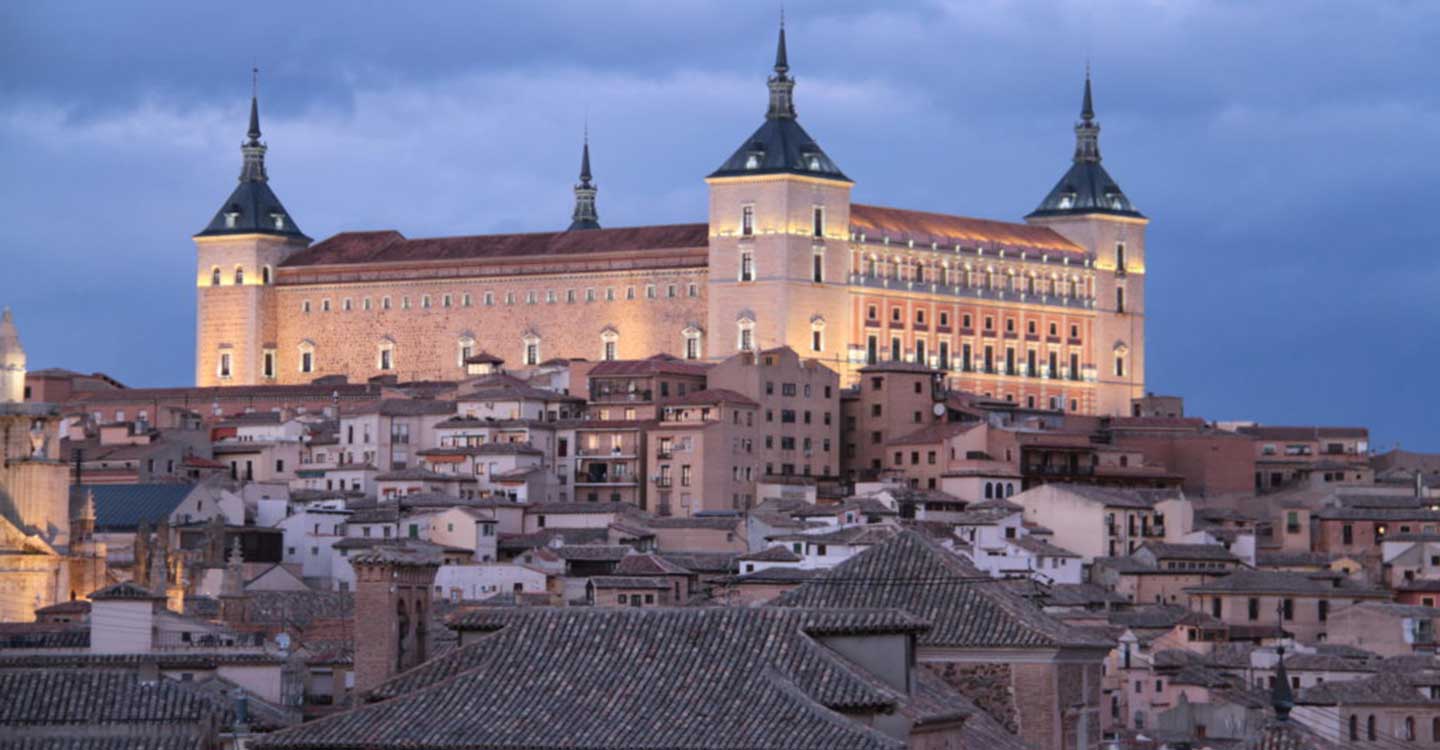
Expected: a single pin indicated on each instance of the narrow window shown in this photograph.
(817, 224)
(817, 271)
(747, 221)
(267, 366)
(1120, 300)
(265, 275)
(225, 364)
(1119, 366)
(747, 266)
(215, 277)
(239, 276)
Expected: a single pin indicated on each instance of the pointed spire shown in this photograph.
(1281, 698)
(585, 159)
(585, 215)
(254, 151)
(782, 87)
(782, 62)
(1087, 131)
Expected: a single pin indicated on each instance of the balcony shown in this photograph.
(664, 482)
(626, 397)
(582, 479)
(605, 453)
(665, 454)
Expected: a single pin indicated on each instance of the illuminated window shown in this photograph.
(265, 275)
(215, 276)
(239, 276)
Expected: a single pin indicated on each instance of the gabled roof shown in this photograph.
(966, 609)
(122, 507)
(698, 678)
(125, 590)
(67, 699)
(948, 231)
(390, 246)
(648, 565)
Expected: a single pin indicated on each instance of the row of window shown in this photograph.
(216, 276)
(489, 299)
(967, 321)
(989, 278)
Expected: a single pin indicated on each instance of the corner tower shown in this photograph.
(236, 257)
(1089, 209)
(779, 234)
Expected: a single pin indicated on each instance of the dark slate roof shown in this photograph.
(1092, 191)
(1385, 688)
(519, 542)
(1283, 582)
(122, 507)
(116, 742)
(74, 698)
(965, 608)
(694, 678)
(124, 590)
(1167, 551)
(1118, 497)
(628, 582)
(782, 147)
(648, 565)
(255, 202)
(703, 562)
(777, 553)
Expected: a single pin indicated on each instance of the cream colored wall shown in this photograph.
(242, 318)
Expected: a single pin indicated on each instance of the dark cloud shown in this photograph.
(1286, 154)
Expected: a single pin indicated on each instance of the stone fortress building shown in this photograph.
(1048, 313)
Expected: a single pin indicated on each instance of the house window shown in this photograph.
(692, 344)
(267, 363)
(747, 335)
(817, 222)
(609, 350)
(385, 303)
(225, 364)
(531, 352)
(239, 276)
(747, 266)
(817, 262)
(747, 221)
(1119, 366)
(1120, 300)
(307, 358)
(1120, 257)
(1253, 608)
(215, 278)
(387, 357)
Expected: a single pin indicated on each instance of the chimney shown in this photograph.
(392, 610)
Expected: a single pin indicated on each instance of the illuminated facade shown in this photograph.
(1048, 313)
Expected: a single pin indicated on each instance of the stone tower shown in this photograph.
(392, 610)
(12, 361)
(34, 482)
(1089, 209)
(237, 255)
(779, 257)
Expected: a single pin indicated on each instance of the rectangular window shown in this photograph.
(489, 299)
(1120, 300)
(267, 364)
(445, 300)
(747, 266)
(815, 343)
(386, 359)
(225, 365)
(747, 221)
(817, 272)
(1119, 367)
(307, 362)
(817, 222)
(1253, 609)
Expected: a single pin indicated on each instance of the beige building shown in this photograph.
(1050, 311)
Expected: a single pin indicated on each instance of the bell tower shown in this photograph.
(1088, 208)
(779, 239)
(237, 255)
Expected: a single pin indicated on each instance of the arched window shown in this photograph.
(464, 348)
(693, 342)
(239, 276)
(307, 356)
(609, 344)
(817, 334)
(745, 338)
(1009, 489)
(989, 490)
(265, 275)
(530, 349)
(215, 276)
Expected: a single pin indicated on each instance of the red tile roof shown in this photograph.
(389, 246)
(922, 226)
(656, 365)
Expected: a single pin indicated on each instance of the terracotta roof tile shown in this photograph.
(389, 246)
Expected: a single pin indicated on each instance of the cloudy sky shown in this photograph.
(1288, 154)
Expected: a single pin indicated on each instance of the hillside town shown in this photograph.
(807, 474)
(732, 554)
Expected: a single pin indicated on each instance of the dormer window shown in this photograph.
(230, 218)
(755, 155)
(752, 161)
(279, 220)
(1067, 200)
